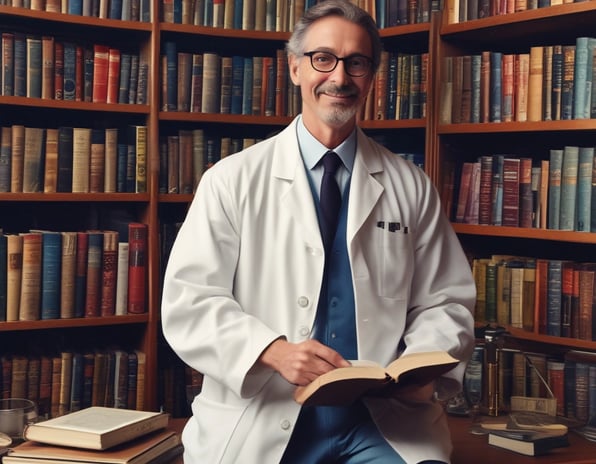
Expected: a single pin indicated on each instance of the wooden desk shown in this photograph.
(474, 449)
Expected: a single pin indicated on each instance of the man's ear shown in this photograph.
(293, 66)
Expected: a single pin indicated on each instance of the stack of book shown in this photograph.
(531, 434)
(98, 435)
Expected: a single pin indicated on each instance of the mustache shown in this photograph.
(342, 91)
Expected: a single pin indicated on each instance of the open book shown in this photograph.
(344, 385)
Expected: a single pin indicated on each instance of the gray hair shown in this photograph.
(343, 9)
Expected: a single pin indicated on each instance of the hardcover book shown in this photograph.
(528, 443)
(149, 448)
(345, 385)
(96, 427)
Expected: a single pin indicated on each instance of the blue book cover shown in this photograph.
(569, 170)
(237, 84)
(115, 11)
(20, 65)
(391, 87)
(33, 67)
(70, 77)
(554, 187)
(475, 96)
(75, 7)
(177, 11)
(247, 84)
(171, 76)
(76, 382)
(133, 81)
(580, 79)
(567, 82)
(497, 190)
(51, 249)
(131, 160)
(584, 189)
(122, 157)
(554, 297)
(145, 11)
(125, 60)
(238, 11)
(496, 85)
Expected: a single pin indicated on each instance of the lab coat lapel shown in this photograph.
(365, 189)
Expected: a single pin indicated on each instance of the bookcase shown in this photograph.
(544, 315)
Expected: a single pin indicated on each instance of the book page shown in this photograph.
(96, 419)
(415, 361)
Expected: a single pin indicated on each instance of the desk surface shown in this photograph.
(474, 449)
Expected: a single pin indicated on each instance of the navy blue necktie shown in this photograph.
(330, 198)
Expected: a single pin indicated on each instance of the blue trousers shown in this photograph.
(338, 435)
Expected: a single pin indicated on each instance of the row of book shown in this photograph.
(468, 10)
(556, 193)
(211, 83)
(73, 159)
(126, 10)
(59, 275)
(546, 296)
(45, 67)
(281, 15)
(571, 380)
(400, 87)
(72, 380)
(185, 155)
(551, 82)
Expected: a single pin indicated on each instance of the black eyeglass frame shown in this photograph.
(345, 59)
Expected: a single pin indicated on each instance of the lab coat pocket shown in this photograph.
(395, 262)
(216, 422)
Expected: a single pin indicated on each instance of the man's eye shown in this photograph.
(321, 58)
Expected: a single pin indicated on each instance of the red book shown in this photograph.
(79, 72)
(137, 267)
(81, 274)
(94, 273)
(113, 83)
(58, 70)
(100, 73)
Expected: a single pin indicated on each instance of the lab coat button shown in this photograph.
(304, 331)
(303, 302)
(285, 424)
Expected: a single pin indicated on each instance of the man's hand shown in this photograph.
(301, 363)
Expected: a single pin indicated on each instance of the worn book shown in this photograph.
(529, 443)
(96, 427)
(149, 448)
(345, 385)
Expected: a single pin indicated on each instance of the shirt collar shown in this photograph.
(312, 150)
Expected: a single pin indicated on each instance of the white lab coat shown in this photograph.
(247, 266)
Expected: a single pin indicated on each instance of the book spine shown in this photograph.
(137, 268)
(94, 273)
(50, 275)
(29, 309)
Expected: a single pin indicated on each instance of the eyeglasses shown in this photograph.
(325, 62)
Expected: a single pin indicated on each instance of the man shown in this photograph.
(260, 297)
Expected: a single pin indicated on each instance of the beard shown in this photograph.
(340, 113)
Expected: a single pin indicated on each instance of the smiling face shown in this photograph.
(330, 101)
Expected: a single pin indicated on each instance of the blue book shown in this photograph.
(177, 11)
(247, 83)
(496, 85)
(591, 79)
(584, 189)
(554, 188)
(239, 9)
(554, 297)
(123, 85)
(237, 84)
(580, 78)
(567, 82)
(3, 259)
(76, 385)
(75, 7)
(122, 156)
(70, 77)
(208, 13)
(145, 11)
(20, 65)
(475, 97)
(171, 83)
(131, 160)
(568, 188)
(115, 11)
(51, 253)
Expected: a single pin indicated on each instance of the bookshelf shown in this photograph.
(465, 141)
(43, 340)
